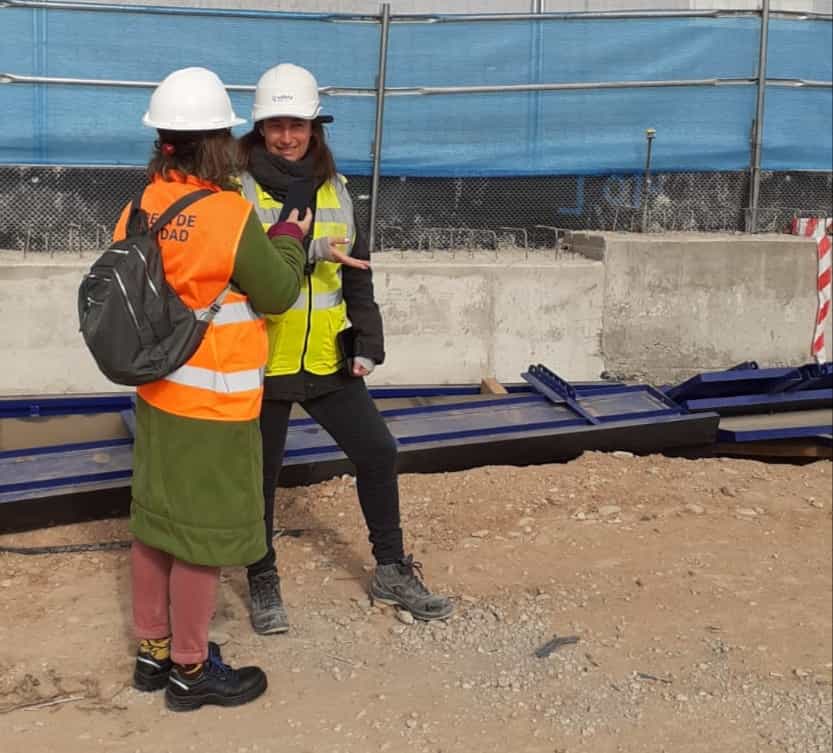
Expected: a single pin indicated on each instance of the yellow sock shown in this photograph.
(158, 648)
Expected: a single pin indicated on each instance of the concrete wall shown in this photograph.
(446, 322)
(460, 320)
(42, 349)
(653, 307)
(676, 304)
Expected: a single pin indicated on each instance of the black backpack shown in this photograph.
(135, 325)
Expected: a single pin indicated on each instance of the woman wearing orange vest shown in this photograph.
(196, 499)
(307, 360)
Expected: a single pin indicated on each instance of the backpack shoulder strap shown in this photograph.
(175, 208)
(136, 222)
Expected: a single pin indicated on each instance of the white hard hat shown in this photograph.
(287, 91)
(191, 99)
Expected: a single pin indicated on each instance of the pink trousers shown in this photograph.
(171, 597)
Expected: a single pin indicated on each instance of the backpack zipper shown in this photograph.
(147, 274)
(127, 301)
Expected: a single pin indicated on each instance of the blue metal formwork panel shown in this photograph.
(789, 425)
(29, 406)
(815, 376)
(545, 442)
(62, 469)
(748, 389)
(627, 402)
(559, 408)
(781, 401)
(455, 433)
(735, 382)
(446, 424)
(31, 473)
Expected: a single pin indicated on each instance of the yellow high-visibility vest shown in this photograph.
(305, 336)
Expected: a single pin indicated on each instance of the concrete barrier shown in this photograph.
(676, 304)
(446, 321)
(461, 319)
(42, 349)
(652, 307)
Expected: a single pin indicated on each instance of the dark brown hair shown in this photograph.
(323, 164)
(207, 155)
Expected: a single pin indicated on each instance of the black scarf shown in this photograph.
(274, 173)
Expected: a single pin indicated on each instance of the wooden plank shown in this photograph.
(491, 386)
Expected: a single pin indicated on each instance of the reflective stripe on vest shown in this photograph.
(223, 379)
(319, 301)
(313, 322)
(231, 313)
(222, 382)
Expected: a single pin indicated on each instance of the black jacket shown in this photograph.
(362, 310)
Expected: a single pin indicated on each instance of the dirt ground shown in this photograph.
(699, 590)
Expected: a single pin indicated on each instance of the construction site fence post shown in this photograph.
(758, 124)
(378, 127)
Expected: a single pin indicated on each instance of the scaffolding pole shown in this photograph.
(378, 126)
(758, 125)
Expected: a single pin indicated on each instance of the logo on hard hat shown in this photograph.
(282, 97)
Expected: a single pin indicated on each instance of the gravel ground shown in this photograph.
(697, 592)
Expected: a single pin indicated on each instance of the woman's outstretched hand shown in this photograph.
(339, 257)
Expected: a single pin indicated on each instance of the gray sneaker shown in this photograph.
(268, 613)
(401, 584)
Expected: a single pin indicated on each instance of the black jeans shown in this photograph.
(353, 421)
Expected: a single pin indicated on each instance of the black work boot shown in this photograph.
(151, 673)
(268, 613)
(215, 683)
(401, 584)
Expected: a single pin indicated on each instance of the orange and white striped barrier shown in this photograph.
(820, 231)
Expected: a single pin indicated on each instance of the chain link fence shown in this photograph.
(787, 195)
(49, 209)
(63, 209)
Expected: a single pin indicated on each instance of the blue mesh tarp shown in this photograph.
(539, 133)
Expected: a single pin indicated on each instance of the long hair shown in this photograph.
(323, 164)
(207, 155)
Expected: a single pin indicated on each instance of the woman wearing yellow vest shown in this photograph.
(196, 497)
(306, 364)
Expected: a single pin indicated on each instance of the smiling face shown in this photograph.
(287, 137)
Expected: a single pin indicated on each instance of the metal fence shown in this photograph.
(52, 208)
(531, 212)
(57, 209)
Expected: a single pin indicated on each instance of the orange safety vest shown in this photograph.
(223, 380)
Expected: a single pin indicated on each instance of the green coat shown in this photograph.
(198, 485)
